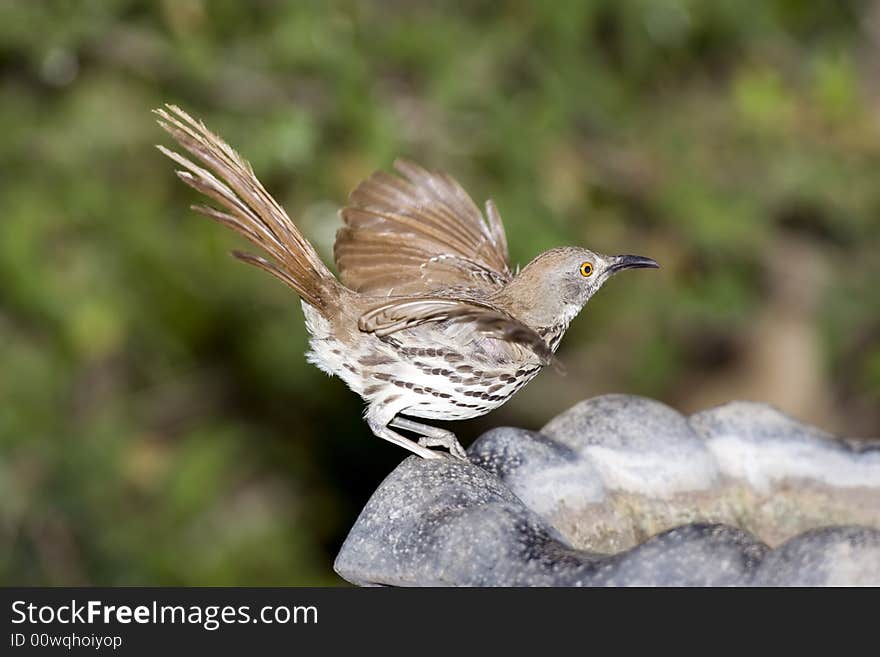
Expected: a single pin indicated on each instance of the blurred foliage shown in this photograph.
(158, 422)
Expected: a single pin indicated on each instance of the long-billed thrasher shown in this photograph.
(426, 320)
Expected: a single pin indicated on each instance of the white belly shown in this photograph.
(428, 384)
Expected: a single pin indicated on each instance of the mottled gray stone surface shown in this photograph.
(622, 490)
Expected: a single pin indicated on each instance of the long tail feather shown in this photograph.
(248, 208)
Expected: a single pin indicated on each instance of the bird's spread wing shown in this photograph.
(406, 312)
(419, 233)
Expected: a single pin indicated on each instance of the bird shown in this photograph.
(426, 320)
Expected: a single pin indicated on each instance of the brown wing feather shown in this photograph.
(406, 312)
(419, 232)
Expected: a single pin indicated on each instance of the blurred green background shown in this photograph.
(158, 422)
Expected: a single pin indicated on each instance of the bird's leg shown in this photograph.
(431, 436)
(382, 431)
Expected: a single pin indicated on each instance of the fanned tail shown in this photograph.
(248, 208)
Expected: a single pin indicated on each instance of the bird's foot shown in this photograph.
(447, 440)
(432, 437)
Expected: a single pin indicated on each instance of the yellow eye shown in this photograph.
(586, 269)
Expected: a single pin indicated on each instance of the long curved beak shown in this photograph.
(622, 262)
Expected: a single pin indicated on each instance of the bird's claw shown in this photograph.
(450, 442)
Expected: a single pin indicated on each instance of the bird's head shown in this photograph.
(556, 285)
